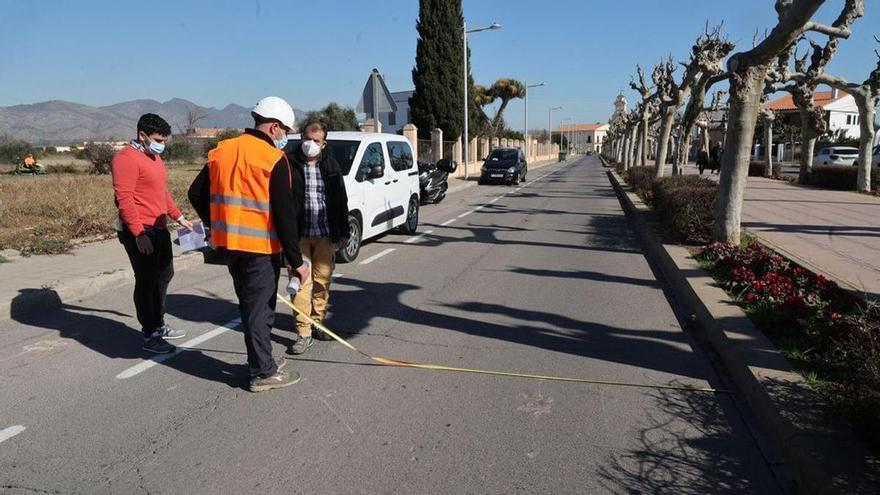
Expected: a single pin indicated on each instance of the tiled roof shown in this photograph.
(581, 128)
(820, 98)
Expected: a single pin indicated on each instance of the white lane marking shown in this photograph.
(465, 214)
(494, 200)
(189, 344)
(376, 256)
(418, 237)
(337, 275)
(7, 433)
(444, 224)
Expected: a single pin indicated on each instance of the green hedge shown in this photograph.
(685, 204)
(640, 178)
(840, 178)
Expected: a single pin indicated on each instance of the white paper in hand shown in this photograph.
(191, 240)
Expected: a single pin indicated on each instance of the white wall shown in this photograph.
(837, 120)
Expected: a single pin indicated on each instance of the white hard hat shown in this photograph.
(273, 107)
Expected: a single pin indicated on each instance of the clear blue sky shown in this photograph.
(100, 52)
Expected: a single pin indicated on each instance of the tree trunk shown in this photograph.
(808, 145)
(684, 149)
(745, 100)
(640, 136)
(706, 144)
(674, 145)
(630, 146)
(768, 147)
(663, 142)
(866, 143)
(643, 141)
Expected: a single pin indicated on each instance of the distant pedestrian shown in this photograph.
(140, 187)
(323, 227)
(702, 159)
(715, 157)
(245, 194)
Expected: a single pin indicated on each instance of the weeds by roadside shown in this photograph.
(47, 214)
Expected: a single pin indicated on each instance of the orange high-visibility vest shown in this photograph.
(241, 217)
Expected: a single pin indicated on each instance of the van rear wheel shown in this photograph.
(355, 234)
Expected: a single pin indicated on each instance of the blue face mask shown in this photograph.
(281, 143)
(157, 148)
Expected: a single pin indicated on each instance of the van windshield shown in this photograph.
(343, 151)
(503, 155)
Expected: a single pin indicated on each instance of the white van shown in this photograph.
(382, 183)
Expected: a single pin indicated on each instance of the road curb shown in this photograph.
(47, 298)
(824, 455)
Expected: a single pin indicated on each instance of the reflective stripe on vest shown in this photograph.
(241, 218)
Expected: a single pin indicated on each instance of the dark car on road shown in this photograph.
(504, 165)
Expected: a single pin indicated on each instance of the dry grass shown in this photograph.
(48, 214)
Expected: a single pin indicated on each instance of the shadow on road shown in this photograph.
(692, 444)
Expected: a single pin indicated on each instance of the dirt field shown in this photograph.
(46, 214)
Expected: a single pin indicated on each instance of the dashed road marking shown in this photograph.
(189, 344)
(7, 433)
(376, 256)
(444, 224)
(418, 237)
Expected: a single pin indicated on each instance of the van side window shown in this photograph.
(400, 155)
(372, 156)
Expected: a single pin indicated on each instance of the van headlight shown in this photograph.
(511, 170)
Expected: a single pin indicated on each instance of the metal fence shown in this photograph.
(426, 151)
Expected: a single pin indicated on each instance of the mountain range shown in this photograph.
(61, 122)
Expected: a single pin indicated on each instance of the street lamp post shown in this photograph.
(562, 135)
(550, 125)
(526, 124)
(465, 138)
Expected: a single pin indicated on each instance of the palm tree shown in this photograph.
(505, 90)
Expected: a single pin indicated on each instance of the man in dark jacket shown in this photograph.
(715, 156)
(323, 227)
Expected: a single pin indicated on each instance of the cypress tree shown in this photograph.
(437, 76)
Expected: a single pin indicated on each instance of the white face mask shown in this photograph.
(311, 149)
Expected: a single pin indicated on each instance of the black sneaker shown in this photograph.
(320, 334)
(157, 345)
(280, 379)
(301, 345)
(169, 333)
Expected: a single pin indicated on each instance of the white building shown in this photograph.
(840, 109)
(584, 137)
(393, 122)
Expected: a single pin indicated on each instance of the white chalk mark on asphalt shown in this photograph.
(444, 224)
(7, 433)
(419, 237)
(189, 344)
(376, 256)
(350, 430)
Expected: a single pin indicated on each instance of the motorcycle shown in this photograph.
(433, 180)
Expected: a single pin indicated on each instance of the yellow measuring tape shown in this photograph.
(439, 367)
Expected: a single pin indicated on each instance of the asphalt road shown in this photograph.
(548, 278)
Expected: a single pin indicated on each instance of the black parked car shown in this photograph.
(504, 165)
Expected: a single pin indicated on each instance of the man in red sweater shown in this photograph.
(140, 185)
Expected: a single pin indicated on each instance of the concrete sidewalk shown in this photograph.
(835, 233)
(36, 283)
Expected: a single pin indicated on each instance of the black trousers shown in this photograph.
(152, 274)
(256, 282)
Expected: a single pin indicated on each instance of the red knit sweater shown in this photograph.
(140, 183)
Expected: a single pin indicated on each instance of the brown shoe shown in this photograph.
(280, 379)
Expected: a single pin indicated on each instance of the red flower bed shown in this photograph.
(822, 328)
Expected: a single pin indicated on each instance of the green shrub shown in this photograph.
(13, 150)
(640, 178)
(839, 178)
(756, 169)
(62, 169)
(685, 204)
(100, 155)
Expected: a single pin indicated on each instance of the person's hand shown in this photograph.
(185, 223)
(303, 272)
(341, 244)
(144, 244)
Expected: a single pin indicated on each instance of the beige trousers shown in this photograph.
(314, 294)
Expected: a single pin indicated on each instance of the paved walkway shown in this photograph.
(836, 233)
